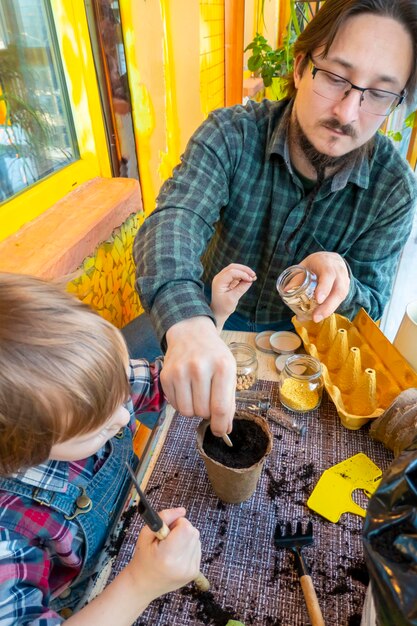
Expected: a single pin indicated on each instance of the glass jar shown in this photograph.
(301, 383)
(296, 286)
(246, 365)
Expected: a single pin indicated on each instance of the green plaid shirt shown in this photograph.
(236, 198)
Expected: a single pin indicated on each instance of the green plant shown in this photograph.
(269, 63)
(409, 122)
(266, 62)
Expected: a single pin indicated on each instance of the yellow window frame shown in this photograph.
(77, 59)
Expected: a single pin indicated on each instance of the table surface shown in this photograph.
(248, 574)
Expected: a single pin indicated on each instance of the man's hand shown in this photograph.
(199, 373)
(332, 281)
(227, 287)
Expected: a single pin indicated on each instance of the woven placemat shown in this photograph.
(250, 578)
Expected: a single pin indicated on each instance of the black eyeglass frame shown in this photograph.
(400, 96)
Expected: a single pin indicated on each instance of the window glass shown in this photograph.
(37, 134)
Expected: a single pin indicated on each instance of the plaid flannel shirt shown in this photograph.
(29, 575)
(235, 197)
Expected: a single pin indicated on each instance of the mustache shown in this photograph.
(332, 123)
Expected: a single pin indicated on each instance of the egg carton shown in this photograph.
(363, 372)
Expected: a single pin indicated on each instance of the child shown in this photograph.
(68, 400)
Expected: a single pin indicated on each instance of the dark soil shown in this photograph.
(359, 572)
(249, 445)
(117, 541)
(209, 610)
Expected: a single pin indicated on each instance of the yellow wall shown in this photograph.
(212, 75)
(162, 51)
(175, 57)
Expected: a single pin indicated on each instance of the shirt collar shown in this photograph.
(355, 171)
(51, 475)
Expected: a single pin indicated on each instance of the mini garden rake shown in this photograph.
(295, 542)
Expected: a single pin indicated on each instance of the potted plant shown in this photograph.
(273, 65)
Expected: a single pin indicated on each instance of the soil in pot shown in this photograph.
(234, 472)
(249, 445)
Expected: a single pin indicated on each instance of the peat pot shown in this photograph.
(234, 472)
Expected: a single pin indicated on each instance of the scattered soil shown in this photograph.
(167, 480)
(116, 543)
(249, 445)
(223, 527)
(275, 487)
(215, 554)
(340, 589)
(359, 572)
(209, 610)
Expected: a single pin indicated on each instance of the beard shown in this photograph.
(319, 160)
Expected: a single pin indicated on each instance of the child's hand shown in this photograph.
(156, 568)
(227, 288)
(163, 566)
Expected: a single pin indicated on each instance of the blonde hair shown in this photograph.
(62, 370)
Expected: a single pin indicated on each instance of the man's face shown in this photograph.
(369, 51)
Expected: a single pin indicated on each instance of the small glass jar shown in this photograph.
(296, 286)
(301, 383)
(246, 365)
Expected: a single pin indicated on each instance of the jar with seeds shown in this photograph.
(246, 365)
(296, 286)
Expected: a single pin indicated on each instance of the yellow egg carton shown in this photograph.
(363, 372)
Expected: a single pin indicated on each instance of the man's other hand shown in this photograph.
(332, 281)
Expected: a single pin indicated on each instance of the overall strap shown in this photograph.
(63, 501)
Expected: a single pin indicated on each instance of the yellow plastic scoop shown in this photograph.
(332, 496)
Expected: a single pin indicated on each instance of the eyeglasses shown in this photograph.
(336, 88)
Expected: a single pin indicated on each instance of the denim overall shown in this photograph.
(101, 500)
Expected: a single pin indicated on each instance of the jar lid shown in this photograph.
(262, 341)
(280, 361)
(285, 342)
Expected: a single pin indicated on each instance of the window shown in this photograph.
(37, 135)
(52, 135)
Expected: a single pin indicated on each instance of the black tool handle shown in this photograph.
(158, 526)
(310, 596)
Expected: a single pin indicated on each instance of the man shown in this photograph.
(306, 180)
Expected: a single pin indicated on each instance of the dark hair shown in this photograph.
(333, 14)
(62, 370)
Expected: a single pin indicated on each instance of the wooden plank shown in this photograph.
(234, 33)
(57, 241)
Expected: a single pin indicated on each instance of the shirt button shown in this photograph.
(66, 593)
(66, 613)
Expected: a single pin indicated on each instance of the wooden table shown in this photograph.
(239, 557)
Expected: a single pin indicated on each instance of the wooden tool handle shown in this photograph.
(312, 602)
(201, 582)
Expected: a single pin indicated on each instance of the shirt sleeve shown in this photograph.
(170, 243)
(373, 260)
(145, 384)
(24, 573)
